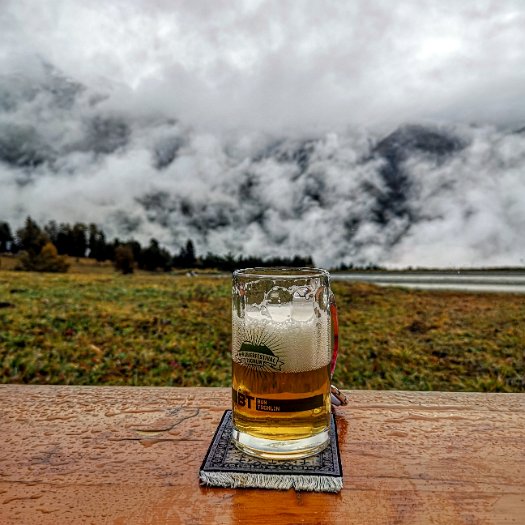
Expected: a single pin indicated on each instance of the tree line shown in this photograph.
(47, 248)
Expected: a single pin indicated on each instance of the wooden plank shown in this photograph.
(132, 455)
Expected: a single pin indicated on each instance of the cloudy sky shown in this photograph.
(259, 127)
(285, 64)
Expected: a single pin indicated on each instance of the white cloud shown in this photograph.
(189, 119)
(287, 65)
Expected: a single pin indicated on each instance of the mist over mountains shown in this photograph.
(418, 195)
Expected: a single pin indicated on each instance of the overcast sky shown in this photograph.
(284, 65)
(191, 118)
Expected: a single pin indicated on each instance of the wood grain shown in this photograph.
(131, 456)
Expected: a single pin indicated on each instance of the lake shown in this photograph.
(474, 281)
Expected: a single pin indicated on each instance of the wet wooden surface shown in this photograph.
(131, 455)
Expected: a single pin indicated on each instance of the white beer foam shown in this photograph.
(301, 345)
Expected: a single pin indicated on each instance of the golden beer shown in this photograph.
(281, 357)
(298, 402)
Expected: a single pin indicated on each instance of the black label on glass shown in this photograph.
(262, 404)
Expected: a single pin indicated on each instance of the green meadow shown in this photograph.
(95, 327)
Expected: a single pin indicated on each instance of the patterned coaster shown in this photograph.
(226, 466)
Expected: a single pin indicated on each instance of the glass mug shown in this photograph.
(284, 348)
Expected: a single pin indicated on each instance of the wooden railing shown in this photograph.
(132, 455)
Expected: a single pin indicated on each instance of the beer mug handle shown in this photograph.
(335, 332)
(337, 397)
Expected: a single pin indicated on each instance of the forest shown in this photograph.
(45, 248)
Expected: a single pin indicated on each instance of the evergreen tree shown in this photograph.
(31, 238)
(97, 246)
(190, 253)
(63, 239)
(78, 240)
(154, 257)
(51, 229)
(136, 248)
(186, 257)
(6, 238)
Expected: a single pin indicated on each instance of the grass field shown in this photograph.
(93, 326)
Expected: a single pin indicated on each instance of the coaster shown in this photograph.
(226, 466)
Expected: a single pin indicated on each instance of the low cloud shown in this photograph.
(422, 195)
(271, 128)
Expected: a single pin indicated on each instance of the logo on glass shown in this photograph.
(259, 356)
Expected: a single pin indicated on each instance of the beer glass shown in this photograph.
(284, 347)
